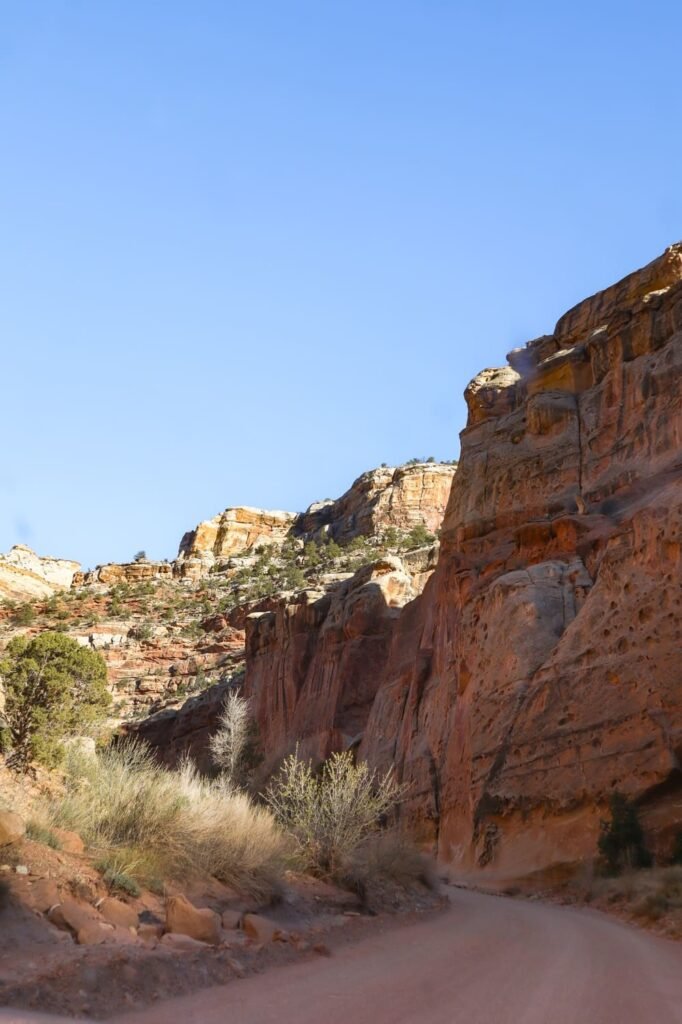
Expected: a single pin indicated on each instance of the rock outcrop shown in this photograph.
(24, 575)
(114, 573)
(233, 532)
(403, 497)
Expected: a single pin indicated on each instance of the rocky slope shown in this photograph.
(173, 630)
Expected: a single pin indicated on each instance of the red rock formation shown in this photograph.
(540, 669)
(314, 662)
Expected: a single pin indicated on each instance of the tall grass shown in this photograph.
(164, 824)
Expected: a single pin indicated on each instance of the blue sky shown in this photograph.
(249, 250)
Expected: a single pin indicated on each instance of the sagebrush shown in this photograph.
(332, 813)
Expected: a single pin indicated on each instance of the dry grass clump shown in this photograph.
(388, 857)
(151, 823)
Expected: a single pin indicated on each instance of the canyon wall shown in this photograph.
(540, 668)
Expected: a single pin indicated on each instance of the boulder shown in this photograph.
(116, 912)
(182, 918)
(43, 895)
(261, 929)
(69, 915)
(70, 842)
(12, 828)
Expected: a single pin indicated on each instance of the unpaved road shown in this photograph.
(487, 960)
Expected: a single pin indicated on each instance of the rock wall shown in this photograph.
(540, 670)
(314, 661)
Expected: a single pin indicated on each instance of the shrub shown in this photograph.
(391, 537)
(388, 857)
(39, 833)
(116, 875)
(54, 688)
(621, 843)
(331, 814)
(419, 536)
(24, 615)
(142, 632)
(140, 556)
(151, 823)
(228, 745)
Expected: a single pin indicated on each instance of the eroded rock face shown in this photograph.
(402, 497)
(540, 668)
(114, 573)
(233, 532)
(408, 496)
(315, 660)
(24, 575)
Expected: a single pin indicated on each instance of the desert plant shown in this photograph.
(330, 814)
(621, 842)
(140, 556)
(389, 856)
(143, 632)
(228, 745)
(40, 833)
(24, 615)
(151, 823)
(54, 688)
(419, 536)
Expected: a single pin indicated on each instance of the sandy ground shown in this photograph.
(486, 960)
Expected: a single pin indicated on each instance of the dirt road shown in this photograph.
(487, 960)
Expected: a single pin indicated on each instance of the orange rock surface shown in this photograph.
(540, 670)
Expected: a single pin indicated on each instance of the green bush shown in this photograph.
(24, 615)
(621, 842)
(419, 537)
(331, 814)
(54, 689)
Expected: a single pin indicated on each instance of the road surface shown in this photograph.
(486, 960)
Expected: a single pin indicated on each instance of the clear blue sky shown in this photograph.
(249, 250)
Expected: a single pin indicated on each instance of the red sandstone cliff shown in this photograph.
(541, 667)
